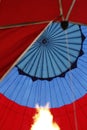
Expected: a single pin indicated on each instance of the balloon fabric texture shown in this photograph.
(43, 59)
(48, 72)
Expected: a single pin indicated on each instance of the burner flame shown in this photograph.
(43, 120)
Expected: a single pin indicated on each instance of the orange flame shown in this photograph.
(43, 120)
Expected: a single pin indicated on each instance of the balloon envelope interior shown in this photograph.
(58, 62)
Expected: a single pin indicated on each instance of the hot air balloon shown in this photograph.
(43, 59)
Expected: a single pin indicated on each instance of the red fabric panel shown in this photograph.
(78, 13)
(73, 116)
(13, 116)
(16, 117)
(13, 42)
(18, 11)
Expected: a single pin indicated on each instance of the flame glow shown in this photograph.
(43, 120)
